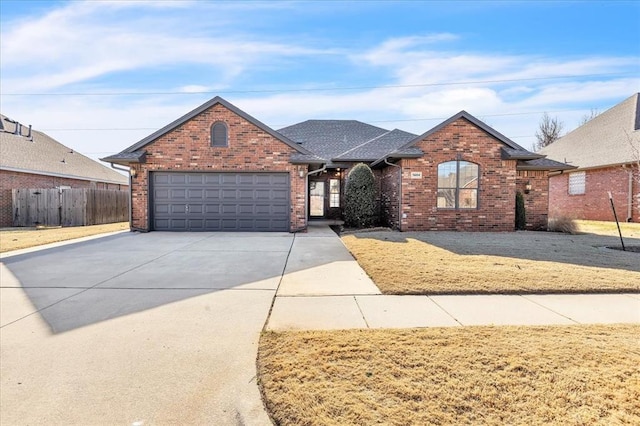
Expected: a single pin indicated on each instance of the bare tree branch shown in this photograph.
(548, 131)
(588, 117)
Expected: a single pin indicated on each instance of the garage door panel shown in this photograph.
(179, 224)
(177, 194)
(195, 194)
(175, 209)
(177, 178)
(211, 178)
(228, 179)
(229, 194)
(280, 194)
(246, 179)
(280, 210)
(196, 209)
(196, 225)
(195, 178)
(245, 194)
(212, 209)
(280, 180)
(220, 201)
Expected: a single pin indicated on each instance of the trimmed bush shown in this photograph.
(563, 224)
(521, 216)
(360, 197)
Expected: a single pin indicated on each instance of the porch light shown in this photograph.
(527, 187)
(301, 173)
(133, 172)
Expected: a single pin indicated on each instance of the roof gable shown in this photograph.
(608, 139)
(191, 114)
(470, 118)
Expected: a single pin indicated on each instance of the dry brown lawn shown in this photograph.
(19, 238)
(486, 262)
(631, 230)
(565, 375)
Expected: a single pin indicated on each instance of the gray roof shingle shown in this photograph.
(608, 139)
(330, 138)
(42, 154)
(543, 164)
(377, 147)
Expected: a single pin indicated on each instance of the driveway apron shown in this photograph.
(157, 328)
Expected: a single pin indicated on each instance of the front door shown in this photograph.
(316, 196)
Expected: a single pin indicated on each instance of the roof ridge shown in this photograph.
(364, 143)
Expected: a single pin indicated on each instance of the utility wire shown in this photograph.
(319, 89)
(281, 125)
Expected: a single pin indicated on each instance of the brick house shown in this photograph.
(606, 154)
(218, 168)
(32, 159)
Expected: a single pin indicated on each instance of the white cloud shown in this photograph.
(84, 41)
(82, 45)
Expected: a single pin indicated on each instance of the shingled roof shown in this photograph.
(610, 138)
(30, 151)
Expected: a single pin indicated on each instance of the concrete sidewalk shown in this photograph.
(324, 288)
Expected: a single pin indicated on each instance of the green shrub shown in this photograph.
(521, 216)
(360, 197)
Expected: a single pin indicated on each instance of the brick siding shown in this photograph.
(594, 204)
(536, 202)
(497, 185)
(390, 196)
(188, 148)
(15, 180)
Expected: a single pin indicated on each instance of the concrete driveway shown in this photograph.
(158, 328)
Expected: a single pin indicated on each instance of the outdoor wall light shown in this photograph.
(527, 187)
(133, 172)
(301, 173)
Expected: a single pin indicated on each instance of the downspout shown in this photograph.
(306, 195)
(630, 204)
(386, 161)
(128, 170)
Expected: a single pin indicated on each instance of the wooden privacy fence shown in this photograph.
(69, 207)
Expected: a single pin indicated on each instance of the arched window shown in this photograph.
(219, 135)
(458, 185)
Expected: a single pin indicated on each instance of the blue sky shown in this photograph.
(100, 75)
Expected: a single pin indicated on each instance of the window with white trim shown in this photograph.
(458, 185)
(577, 183)
(334, 193)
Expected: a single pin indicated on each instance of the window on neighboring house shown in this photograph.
(577, 183)
(458, 185)
(334, 192)
(219, 134)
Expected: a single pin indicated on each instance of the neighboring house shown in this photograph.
(31, 159)
(606, 152)
(218, 168)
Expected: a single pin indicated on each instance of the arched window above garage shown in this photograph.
(219, 134)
